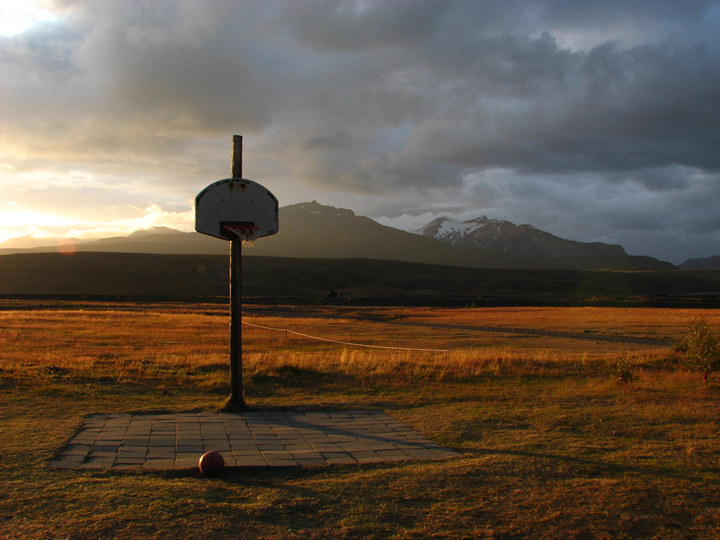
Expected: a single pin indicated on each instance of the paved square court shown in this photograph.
(249, 439)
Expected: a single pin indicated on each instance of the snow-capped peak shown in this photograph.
(456, 232)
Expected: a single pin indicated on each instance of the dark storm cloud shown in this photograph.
(143, 76)
(545, 109)
(336, 26)
(556, 101)
(474, 100)
(648, 18)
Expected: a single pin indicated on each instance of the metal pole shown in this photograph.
(237, 157)
(236, 382)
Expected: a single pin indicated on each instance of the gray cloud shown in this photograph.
(532, 111)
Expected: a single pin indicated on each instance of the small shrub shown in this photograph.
(702, 352)
(624, 371)
(53, 372)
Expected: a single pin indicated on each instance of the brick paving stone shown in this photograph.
(153, 453)
(97, 464)
(305, 454)
(217, 441)
(230, 460)
(247, 451)
(311, 462)
(67, 462)
(160, 464)
(282, 463)
(130, 457)
(100, 453)
(77, 449)
(364, 460)
(235, 444)
(298, 447)
(253, 439)
(126, 461)
(271, 447)
(216, 448)
(253, 462)
(391, 454)
(134, 440)
(349, 448)
(340, 460)
(83, 439)
(240, 436)
(189, 448)
(254, 453)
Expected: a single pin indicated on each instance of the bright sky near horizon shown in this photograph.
(595, 121)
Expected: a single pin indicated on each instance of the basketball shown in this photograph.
(211, 463)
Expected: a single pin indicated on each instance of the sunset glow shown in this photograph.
(18, 222)
(17, 16)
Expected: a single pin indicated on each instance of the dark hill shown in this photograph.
(281, 280)
(707, 263)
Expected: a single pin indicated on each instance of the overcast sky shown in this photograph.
(592, 120)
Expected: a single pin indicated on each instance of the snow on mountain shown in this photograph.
(481, 232)
(507, 237)
(454, 231)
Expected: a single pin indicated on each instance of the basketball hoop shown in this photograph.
(245, 233)
(236, 208)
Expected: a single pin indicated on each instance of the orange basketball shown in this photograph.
(211, 463)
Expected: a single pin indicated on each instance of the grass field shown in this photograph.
(552, 444)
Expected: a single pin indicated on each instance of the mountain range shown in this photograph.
(312, 230)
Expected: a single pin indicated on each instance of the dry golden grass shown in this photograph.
(553, 446)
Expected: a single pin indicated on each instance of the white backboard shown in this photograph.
(236, 202)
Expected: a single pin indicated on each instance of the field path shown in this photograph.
(585, 335)
(590, 336)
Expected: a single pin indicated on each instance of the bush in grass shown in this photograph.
(702, 352)
(624, 371)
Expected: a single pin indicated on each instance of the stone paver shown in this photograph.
(251, 439)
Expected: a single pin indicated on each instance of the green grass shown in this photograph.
(559, 451)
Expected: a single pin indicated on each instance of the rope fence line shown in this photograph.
(344, 342)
